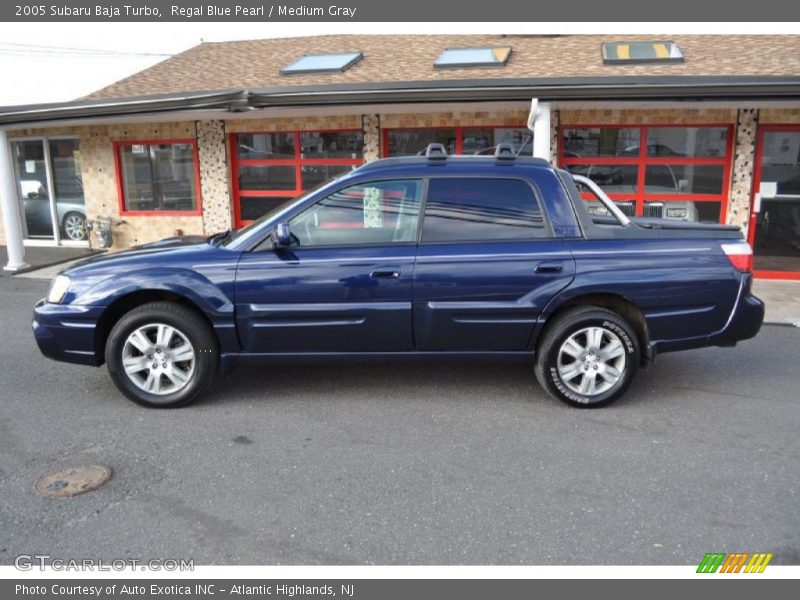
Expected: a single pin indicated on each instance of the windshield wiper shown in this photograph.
(217, 238)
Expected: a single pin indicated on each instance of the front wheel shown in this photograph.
(162, 355)
(74, 227)
(588, 357)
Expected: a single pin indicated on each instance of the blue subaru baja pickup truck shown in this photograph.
(426, 256)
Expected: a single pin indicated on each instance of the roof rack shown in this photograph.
(505, 151)
(436, 151)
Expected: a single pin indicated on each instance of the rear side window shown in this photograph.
(478, 209)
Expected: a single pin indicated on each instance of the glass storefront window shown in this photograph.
(40, 163)
(275, 167)
(614, 179)
(410, 142)
(331, 144)
(652, 166)
(684, 179)
(158, 177)
(776, 235)
(252, 207)
(267, 177)
(600, 141)
(687, 141)
(265, 145)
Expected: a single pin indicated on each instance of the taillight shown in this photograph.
(741, 256)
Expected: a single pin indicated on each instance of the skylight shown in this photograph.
(459, 58)
(323, 63)
(626, 53)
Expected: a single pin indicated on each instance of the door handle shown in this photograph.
(385, 273)
(549, 267)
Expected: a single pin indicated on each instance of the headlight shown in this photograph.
(676, 213)
(58, 289)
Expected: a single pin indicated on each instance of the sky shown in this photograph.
(54, 62)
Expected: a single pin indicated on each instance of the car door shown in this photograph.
(486, 265)
(344, 284)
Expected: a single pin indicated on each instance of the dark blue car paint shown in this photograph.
(454, 299)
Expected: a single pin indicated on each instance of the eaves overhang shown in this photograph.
(638, 88)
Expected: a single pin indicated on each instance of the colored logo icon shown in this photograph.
(738, 562)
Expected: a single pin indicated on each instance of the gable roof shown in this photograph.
(253, 64)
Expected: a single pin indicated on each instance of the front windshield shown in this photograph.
(268, 215)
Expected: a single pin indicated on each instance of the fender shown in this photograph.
(208, 296)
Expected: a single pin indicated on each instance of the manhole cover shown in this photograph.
(70, 482)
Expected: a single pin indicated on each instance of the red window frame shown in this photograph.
(643, 161)
(459, 134)
(297, 162)
(751, 229)
(123, 211)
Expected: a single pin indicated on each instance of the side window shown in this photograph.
(380, 212)
(474, 209)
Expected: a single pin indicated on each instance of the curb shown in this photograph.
(53, 263)
(795, 324)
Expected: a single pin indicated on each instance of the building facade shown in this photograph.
(163, 161)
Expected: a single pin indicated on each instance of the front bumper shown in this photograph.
(66, 332)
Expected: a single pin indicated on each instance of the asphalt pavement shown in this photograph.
(406, 463)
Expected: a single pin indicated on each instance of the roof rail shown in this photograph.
(435, 151)
(504, 151)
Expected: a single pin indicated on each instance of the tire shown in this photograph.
(69, 226)
(170, 351)
(571, 364)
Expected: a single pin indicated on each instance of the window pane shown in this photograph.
(277, 177)
(375, 213)
(265, 145)
(159, 177)
(600, 141)
(687, 141)
(31, 172)
(614, 179)
(332, 144)
(68, 183)
(684, 179)
(683, 210)
(481, 209)
(411, 142)
(252, 207)
(484, 141)
(780, 161)
(313, 175)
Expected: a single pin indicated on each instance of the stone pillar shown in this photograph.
(371, 126)
(541, 132)
(211, 151)
(743, 168)
(554, 115)
(12, 219)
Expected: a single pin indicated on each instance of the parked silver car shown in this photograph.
(70, 212)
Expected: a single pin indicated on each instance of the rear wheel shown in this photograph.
(162, 355)
(588, 357)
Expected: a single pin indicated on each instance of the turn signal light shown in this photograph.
(741, 256)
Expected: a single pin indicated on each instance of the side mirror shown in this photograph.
(281, 236)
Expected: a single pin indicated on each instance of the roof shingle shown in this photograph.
(396, 58)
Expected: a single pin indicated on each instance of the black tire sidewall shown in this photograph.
(197, 332)
(550, 377)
